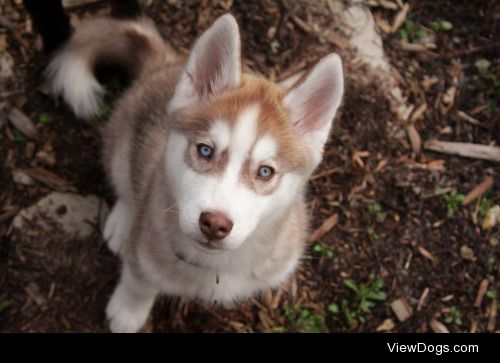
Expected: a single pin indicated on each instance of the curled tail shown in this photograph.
(133, 44)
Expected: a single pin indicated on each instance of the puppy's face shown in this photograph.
(234, 164)
(241, 147)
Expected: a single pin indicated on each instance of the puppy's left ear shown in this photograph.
(314, 102)
(213, 66)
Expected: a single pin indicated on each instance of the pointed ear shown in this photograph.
(314, 102)
(213, 66)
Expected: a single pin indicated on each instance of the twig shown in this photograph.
(468, 150)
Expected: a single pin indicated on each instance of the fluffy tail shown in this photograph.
(133, 44)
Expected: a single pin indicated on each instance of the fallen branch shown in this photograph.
(468, 150)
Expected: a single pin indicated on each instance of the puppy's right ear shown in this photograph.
(213, 66)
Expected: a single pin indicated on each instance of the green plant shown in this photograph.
(453, 316)
(452, 200)
(45, 118)
(372, 233)
(4, 304)
(323, 249)
(442, 25)
(492, 294)
(483, 66)
(412, 32)
(19, 137)
(376, 210)
(305, 321)
(365, 298)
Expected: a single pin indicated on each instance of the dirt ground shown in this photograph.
(397, 235)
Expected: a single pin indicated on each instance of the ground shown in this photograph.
(396, 233)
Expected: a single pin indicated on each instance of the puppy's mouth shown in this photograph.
(210, 246)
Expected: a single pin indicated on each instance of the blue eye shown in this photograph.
(205, 151)
(265, 172)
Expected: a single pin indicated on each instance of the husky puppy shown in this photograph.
(209, 164)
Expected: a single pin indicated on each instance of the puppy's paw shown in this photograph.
(117, 226)
(126, 313)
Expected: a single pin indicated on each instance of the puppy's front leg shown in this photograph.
(130, 304)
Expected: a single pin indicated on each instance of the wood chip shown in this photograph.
(463, 116)
(387, 325)
(20, 177)
(418, 113)
(382, 24)
(414, 137)
(438, 327)
(21, 122)
(467, 253)
(422, 299)
(483, 287)
(400, 17)
(49, 179)
(7, 215)
(33, 292)
(478, 190)
(327, 225)
(469, 150)
(493, 316)
(424, 252)
(69, 4)
(401, 309)
(415, 47)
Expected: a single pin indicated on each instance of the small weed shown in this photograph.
(45, 118)
(4, 304)
(366, 297)
(411, 32)
(323, 249)
(492, 294)
(483, 66)
(376, 210)
(453, 316)
(372, 233)
(19, 137)
(452, 200)
(305, 321)
(442, 25)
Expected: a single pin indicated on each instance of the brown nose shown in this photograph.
(215, 225)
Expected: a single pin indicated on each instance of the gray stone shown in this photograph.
(74, 215)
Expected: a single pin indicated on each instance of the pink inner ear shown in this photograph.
(212, 67)
(314, 101)
(313, 110)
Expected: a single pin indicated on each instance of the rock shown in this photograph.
(365, 39)
(71, 214)
(358, 24)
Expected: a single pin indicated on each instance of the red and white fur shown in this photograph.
(209, 164)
